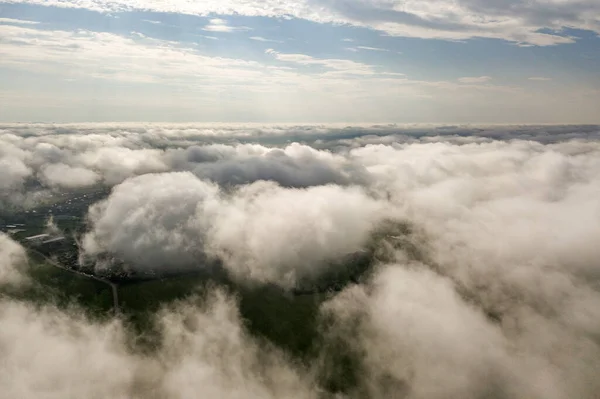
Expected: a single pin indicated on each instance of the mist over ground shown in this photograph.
(483, 275)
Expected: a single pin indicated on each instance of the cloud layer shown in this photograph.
(41, 160)
(517, 21)
(483, 278)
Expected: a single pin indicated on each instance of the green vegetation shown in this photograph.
(51, 285)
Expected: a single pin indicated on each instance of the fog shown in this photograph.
(13, 260)
(487, 288)
(49, 353)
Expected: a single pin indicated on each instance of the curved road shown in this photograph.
(113, 286)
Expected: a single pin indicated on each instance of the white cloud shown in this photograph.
(53, 353)
(371, 48)
(485, 283)
(14, 172)
(207, 221)
(262, 39)
(411, 313)
(478, 79)
(67, 176)
(145, 236)
(12, 21)
(294, 165)
(518, 21)
(220, 25)
(338, 65)
(326, 224)
(107, 154)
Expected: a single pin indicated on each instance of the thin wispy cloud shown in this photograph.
(222, 26)
(528, 23)
(13, 21)
(347, 66)
(476, 79)
(343, 55)
(262, 39)
(372, 48)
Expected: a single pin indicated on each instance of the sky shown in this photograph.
(324, 61)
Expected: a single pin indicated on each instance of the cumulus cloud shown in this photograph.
(419, 338)
(287, 235)
(295, 165)
(13, 261)
(118, 163)
(66, 176)
(151, 220)
(41, 159)
(413, 334)
(261, 232)
(14, 172)
(505, 240)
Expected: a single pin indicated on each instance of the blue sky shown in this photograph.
(442, 61)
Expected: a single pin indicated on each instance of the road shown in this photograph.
(114, 287)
